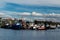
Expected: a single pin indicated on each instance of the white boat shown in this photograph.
(41, 27)
(58, 26)
(52, 26)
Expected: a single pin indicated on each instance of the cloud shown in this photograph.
(54, 15)
(25, 14)
(49, 17)
(28, 13)
(3, 15)
(37, 14)
(46, 15)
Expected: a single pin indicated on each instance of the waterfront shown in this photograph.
(9, 34)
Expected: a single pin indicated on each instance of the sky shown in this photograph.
(33, 2)
(30, 5)
(11, 7)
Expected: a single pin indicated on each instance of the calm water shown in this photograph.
(8, 34)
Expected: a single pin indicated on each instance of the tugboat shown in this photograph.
(58, 26)
(42, 27)
(35, 27)
(7, 25)
(52, 26)
(17, 26)
(31, 26)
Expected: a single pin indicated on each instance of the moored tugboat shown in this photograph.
(7, 25)
(52, 26)
(16, 26)
(42, 27)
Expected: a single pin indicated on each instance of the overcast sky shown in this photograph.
(33, 2)
(3, 4)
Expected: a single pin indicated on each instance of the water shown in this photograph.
(8, 34)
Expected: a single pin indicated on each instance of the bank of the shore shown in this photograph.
(10, 23)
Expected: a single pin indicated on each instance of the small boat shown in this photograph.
(31, 25)
(7, 25)
(42, 27)
(58, 26)
(16, 26)
(35, 26)
(52, 26)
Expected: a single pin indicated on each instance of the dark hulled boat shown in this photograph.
(16, 26)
